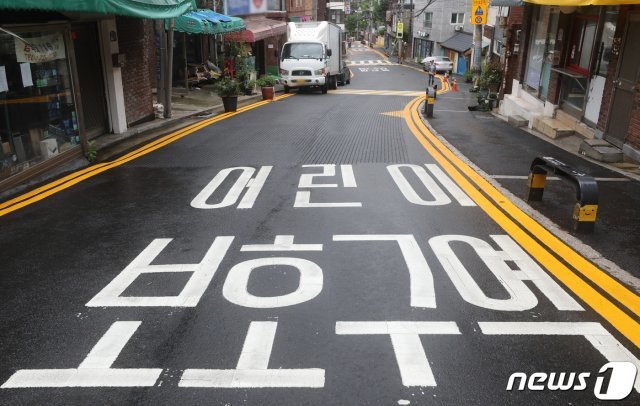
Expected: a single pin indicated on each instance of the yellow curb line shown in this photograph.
(626, 325)
(89, 172)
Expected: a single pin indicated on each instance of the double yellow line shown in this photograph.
(522, 228)
(91, 171)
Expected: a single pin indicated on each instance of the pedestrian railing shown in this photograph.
(586, 187)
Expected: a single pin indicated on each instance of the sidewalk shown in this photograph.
(505, 153)
(186, 110)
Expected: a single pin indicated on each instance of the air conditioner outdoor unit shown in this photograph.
(458, 27)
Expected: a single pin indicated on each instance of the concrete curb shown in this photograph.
(583, 249)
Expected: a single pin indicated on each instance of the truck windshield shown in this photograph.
(302, 50)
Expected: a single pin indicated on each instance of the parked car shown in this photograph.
(443, 63)
(345, 75)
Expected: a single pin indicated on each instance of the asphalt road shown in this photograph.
(391, 277)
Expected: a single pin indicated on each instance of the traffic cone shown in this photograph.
(454, 85)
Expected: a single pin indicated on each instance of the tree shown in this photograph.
(351, 23)
(380, 11)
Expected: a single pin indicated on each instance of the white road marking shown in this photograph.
(597, 335)
(407, 347)
(450, 185)
(282, 243)
(420, 276)
(235, 286)
(244, 181)
(370, 62)
(348, 178)
(189, 296)
(95, 370)
(306, 179)
(303, 199)
(520, 296)
(440, 198)
(252, 368)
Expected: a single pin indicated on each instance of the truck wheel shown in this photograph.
(334, 83)
(287, 89)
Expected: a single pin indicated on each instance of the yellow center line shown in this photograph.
(86, 173)
(624, 323)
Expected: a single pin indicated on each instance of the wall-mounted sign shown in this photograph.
(40, 49)
(244, 7)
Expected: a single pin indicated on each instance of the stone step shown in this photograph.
(600, 150)
(575, 124)
(566, 118)
(551, 127)
(518, 121)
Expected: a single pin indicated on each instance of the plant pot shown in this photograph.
(267, 93)
(230, 103)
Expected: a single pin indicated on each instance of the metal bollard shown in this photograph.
(430, 101)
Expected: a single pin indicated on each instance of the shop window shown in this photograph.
(37, 113)
(581, 45)
(542, 49)
(427, 22)
(457, 18)
(606, 44)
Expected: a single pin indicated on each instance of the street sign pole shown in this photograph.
(478, 18)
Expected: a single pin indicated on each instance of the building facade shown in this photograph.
(437, 23)
(577, 70)
(66, 78)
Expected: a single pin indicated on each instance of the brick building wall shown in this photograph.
(514, 23)
(136, 42)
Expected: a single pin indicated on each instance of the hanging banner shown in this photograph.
(40, 49)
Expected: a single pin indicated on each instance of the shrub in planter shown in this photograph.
(490, 76)
(266, 84)
(228, 90)
(468, 76)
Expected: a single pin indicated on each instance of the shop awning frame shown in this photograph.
(152, 9)
(582, 3)
(507, 3)
(258, 28)
(207, 22)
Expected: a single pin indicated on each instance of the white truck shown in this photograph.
(312, 57)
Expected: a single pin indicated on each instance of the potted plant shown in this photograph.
(267, 84)
(228, 90)
(468, 76)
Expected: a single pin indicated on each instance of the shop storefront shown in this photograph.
(422, 47)
(266, 36)
(38, 115)
(62, 80)
(569, 48)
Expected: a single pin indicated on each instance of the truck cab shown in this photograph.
(311, 57)
(304, 64)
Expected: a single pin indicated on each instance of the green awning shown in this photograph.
(206, 22)
(153, 9)
(507, 3)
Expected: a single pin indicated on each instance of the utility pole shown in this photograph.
(169, 72)
(410, 42)
(477, 47)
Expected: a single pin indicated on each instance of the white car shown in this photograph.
(443, 63)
